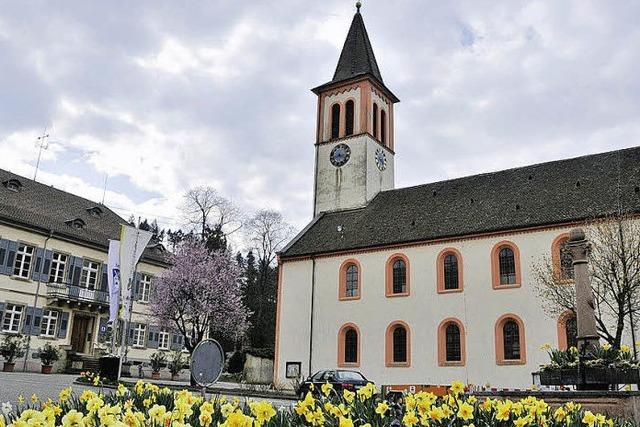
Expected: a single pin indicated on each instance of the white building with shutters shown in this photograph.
(53, 286)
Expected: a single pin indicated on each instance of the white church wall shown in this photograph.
(478, 307)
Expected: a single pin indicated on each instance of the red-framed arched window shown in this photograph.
(349, 280)
(451, 343)
(397, 276)
(349, 345)
(561, 259)
(449, 271)
(567, 330)
(398, 345)
(510, 341)
(505, 266)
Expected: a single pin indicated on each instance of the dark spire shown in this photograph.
(357, 56)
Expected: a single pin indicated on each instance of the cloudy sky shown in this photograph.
(166, 95)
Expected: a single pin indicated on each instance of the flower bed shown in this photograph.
(146, 404)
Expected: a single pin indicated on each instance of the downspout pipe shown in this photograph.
(35, 303)
(313, 292)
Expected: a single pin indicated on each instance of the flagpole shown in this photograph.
(124, 339)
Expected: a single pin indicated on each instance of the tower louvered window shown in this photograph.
(348, 122)
(335, 121)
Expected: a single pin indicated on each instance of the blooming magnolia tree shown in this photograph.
(200, 293)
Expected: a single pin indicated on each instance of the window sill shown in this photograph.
(403, 294)
(450, 364)
(348, 365)
(450, 291)
(48, 337)
(21, 279)
(349, 298)
(501, 287)
(140, 347)
(511, 362)
(398, 365)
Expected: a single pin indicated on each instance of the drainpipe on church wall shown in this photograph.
(35, 302)
(313, 291)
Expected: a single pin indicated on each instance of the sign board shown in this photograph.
(207, 362)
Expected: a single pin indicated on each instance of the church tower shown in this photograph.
(354, 138)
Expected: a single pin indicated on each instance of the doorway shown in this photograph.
(81, 333)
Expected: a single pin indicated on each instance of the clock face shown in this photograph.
(381, 159)
(340, 155)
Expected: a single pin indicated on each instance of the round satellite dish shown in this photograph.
(207, 362)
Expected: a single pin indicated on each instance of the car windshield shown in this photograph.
(317, 376)
(350, 376)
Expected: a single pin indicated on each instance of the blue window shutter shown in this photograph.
(4, 244)
(36, 322)
(70, 261)
(1, 311)
(27, 320)
(77, 271)
(37, 266)
(104, 284)
(46, 267)
(137, 291)
(174, 343)
(152, 337)
(64, 324)
(12, 248)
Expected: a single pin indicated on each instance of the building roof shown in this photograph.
(357, 58)
(44, 208)
(545, 194)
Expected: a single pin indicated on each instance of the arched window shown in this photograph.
(375, 120)
(561, 258)
(510, 344)
(451, 343)
(352, 281)
(567, 330)
(349, 280)
(335, 121)
(398, 344)
(505, 265)
(348, 123)
(383, 126)
(349, 345)
(397, 276)
(449, 271)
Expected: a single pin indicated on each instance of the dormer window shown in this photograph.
(95, 211)
(13, 185)
(76, 223)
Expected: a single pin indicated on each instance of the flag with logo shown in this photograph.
(113, 279)
(133, 241)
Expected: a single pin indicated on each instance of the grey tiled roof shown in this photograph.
(540, 195)
(43, 208)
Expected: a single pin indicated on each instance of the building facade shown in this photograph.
(53, 285)
(428, 284)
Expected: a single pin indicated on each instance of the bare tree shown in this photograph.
(615, 278)
(267, 233)
(204, 208)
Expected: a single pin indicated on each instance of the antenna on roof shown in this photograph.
(104, 191)
(42, 144)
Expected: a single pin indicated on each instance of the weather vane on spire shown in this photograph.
(358, 5)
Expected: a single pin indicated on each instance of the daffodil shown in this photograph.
(410, 419)
(382, 408)
(589, 418)
(625, 348)
(348, 396)
(465, 411)
(457, 387)
(326, 388)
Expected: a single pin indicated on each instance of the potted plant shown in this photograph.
(48, 356)
(176, 362)
(158, 361)
(12, 347)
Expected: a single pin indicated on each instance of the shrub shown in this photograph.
(49, 354)
(176, 363)
(12, 348)
(158, 361)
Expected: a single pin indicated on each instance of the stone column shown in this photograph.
(585, 309)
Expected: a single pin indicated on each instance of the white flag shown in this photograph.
(132, 243)
(113, 278)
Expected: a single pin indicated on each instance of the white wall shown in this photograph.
(478, 307)
(357, 182)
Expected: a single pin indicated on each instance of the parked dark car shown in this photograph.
(340, 379)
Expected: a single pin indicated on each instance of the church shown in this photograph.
(431, 283)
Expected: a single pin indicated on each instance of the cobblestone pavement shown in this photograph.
(48, 386)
